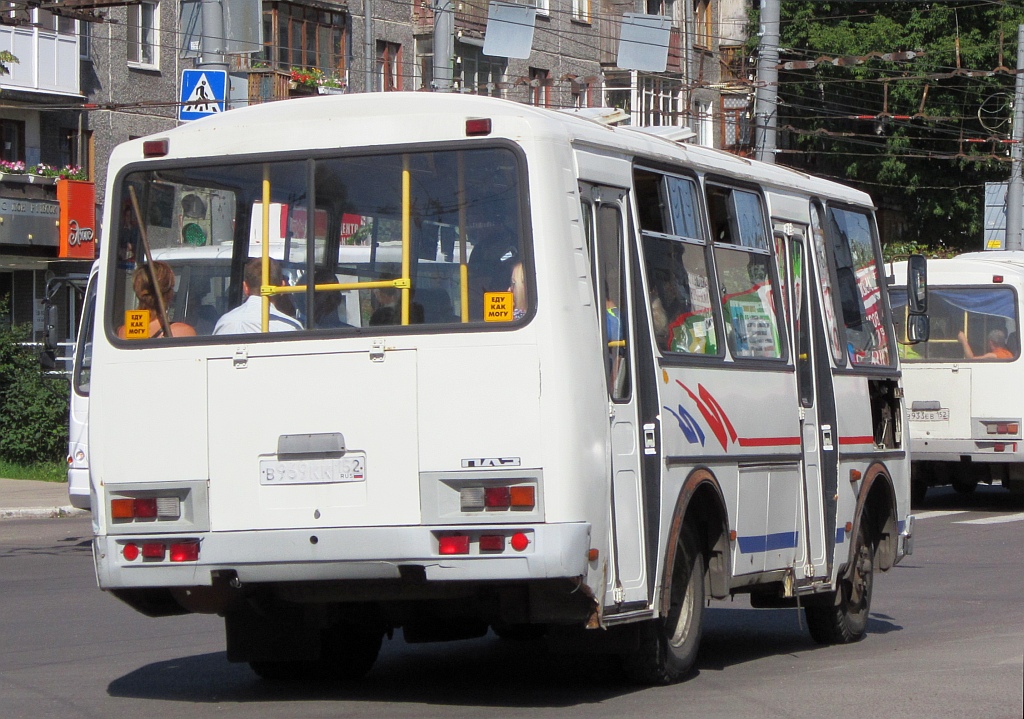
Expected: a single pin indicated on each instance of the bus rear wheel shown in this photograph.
(346, 654)
(667, 647)
(843, 617)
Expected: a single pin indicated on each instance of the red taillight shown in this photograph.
(155, 148)
(519, 541)
(184, 551)
(456, 544)
(492, 543)
(145, 508)
(478, 126)
(130, 552)
(153, 550)
(1000, 447)
(497, 497)
(997, 278)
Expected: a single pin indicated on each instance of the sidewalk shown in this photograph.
(28, 499)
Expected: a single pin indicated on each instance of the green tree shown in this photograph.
(6, 60)
(906, 131)
(33, 408)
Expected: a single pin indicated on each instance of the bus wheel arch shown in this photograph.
(696, 566)
(876, 506)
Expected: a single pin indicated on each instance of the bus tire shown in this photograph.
(667, 647)
(842, 617)
(345, 655)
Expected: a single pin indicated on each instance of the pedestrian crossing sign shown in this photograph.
(202, 93)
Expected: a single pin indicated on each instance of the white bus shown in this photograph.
(576, 379)
(965, 386)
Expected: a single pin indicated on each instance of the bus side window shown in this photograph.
(676, 264)
(743, 262)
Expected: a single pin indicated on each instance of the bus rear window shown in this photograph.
(966, 323)
(385, 241)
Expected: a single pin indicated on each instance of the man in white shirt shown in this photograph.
(248, 316)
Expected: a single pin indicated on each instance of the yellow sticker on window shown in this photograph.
(136, 324)
(497, 306)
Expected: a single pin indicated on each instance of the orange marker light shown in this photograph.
(523, 497)
(122, 508)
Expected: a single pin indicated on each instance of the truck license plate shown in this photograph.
(350, 468)
(929, 415)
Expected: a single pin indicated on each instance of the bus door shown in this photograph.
(605, 213)
(820, 440)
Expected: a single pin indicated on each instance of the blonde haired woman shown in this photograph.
(147, 299)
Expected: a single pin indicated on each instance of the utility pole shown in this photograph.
(369, 49)
(444, 45)
(1015, 190)
(213, 42)
(766, 99)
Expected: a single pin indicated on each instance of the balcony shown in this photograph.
(47, 60)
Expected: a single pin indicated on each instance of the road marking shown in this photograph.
(938, 513)
(1001, 519)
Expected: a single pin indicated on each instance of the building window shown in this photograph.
(659, 101)
(736, 123)
(389, 62)
(665, 8)
(85, 40)
(543, 6)
(143, 26)
(582, 92)
(12, 133)
(704, 124)
(581, 10)
(297, 36)
(424, 62)
(478, 73)
(75, 149)
(702, 19)
(539, 87)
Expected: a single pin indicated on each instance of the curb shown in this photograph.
(43, 512)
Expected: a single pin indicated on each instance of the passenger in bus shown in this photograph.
(248, 316)
(142, 283)
(518, 290)
(996, 345)
(388, 307)
(325, 307)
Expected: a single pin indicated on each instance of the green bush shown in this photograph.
(33, 408)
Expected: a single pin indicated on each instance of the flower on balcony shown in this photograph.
(68, 172)
(315, 78)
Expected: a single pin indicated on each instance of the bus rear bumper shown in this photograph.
(345, 553)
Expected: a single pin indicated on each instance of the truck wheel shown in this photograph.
(345, 654)
(667, 646)
(843, 617)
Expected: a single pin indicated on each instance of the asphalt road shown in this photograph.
(946, 640)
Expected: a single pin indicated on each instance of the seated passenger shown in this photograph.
(142, 283)
(996, 345)
(325, 307)
(248, 316)
(388, 307)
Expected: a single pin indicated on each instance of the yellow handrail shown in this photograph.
(265, 289)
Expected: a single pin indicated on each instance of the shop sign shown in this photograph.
(77, 219)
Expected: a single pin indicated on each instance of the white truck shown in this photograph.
(965, 385)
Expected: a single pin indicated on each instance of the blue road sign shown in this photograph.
(202, 93)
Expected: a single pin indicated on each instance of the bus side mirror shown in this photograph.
(917, 284)
(51, 339)
(917, 329)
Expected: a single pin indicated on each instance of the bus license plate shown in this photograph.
(350, 468)
(929, 415)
